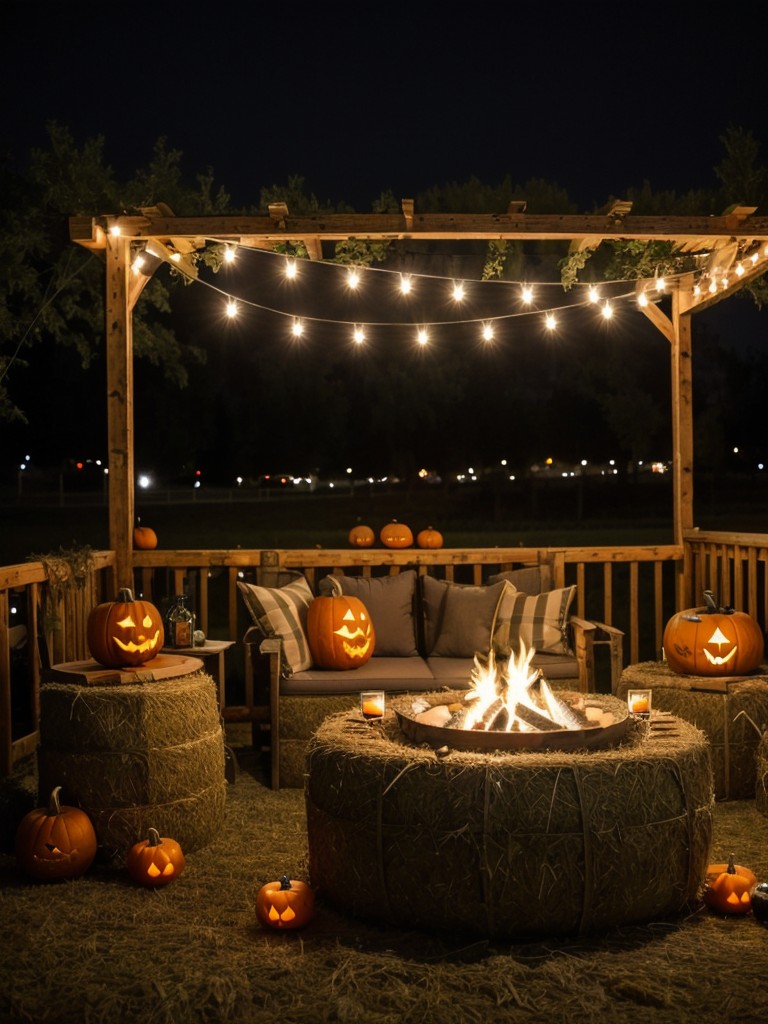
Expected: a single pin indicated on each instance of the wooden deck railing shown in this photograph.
(635, 589)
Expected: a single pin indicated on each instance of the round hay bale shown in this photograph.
(761, 786)
(135, 756)
(506, 844)
(727, 717)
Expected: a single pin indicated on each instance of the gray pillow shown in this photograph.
(531, 579)
(389, 600)
(459, 618)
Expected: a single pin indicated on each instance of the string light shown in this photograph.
(638, 290)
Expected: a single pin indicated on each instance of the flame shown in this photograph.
(489, 686)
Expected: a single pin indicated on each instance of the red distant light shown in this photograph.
(197, 472)
(79, 465)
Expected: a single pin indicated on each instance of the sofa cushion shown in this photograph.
(395, 675)
(389, 600)
(539, 621)
(281, 613)
(459, 618)
(531, 579)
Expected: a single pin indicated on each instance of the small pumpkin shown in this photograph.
(340, 632)
(125, 632)
(286, 903)
(713, 641)
(155, 860)
(396, 535)
(144, 537)
(728, 887)
(429, 538)
(56, 841)
(361, 536)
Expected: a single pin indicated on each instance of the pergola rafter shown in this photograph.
(723, 241)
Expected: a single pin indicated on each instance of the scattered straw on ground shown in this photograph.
(101, 949)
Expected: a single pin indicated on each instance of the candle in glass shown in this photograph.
(372, 704)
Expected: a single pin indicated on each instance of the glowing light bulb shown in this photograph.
(527, 293)
(550, 321)
(353, 279)
(594, 293)
(358, 335)
(231, 308)
(739, 269)
(230, 254)
(291, 268)
(422, 336)
(642, 299)
(458, 291)
(297, 329)
(661, 284)
(607, 311)
(713, 285)
(487, 332)
(405, 284)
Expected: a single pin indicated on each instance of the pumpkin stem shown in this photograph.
(285, 882)
(731, 869)
(125, 595)
(54, 807)
(154, 837)
(711, 603)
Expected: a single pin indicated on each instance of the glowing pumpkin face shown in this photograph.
(155, 861)
(340, 632)
(125, 633)
(396, 535)
(713, 642)
(728, 886)
(285, 904)
(55, 841)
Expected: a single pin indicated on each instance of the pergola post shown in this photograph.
(119, 336)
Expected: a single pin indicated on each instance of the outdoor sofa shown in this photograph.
(428, 634)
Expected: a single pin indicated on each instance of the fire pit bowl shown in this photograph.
(507, 844)
(612, 712)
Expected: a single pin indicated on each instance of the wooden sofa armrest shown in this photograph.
(586, 635)
(255, 646)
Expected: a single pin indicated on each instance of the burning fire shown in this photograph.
(507, 699)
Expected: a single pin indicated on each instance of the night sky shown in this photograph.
(359, 98)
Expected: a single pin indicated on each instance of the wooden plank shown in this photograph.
(91, 673)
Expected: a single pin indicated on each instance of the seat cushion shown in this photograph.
(390, 674)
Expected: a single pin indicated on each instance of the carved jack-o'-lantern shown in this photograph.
(340, 632)
(286, 903)
(713, 641)
(361, 536)
(55, 841)
(124, 633)
(155, 861)
(728, 887)
(396, 535)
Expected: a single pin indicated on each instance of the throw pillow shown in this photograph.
(539, 621)
(531, 579)
(281, 613)
(389, 600)
(459, 618)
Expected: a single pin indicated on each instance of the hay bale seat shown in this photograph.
(714, 706)
(506, 845)
(135, 756)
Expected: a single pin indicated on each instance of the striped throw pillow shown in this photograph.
(539, 621)
(281, 613)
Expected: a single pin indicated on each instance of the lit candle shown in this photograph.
(372, 704)
(639, 703)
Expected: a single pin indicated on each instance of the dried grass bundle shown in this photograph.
(725, 718)
(506, 844)
(135, 756)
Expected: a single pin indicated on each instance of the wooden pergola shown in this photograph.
(733, 249)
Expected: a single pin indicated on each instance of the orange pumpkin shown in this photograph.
(361, 536)
(713, 641)
(429, 538)
(396, 535)
(728, 887)
(340, 632)
(144, 537)
(124, 633)
(55, 841)
(155, 860)
(286, 903)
